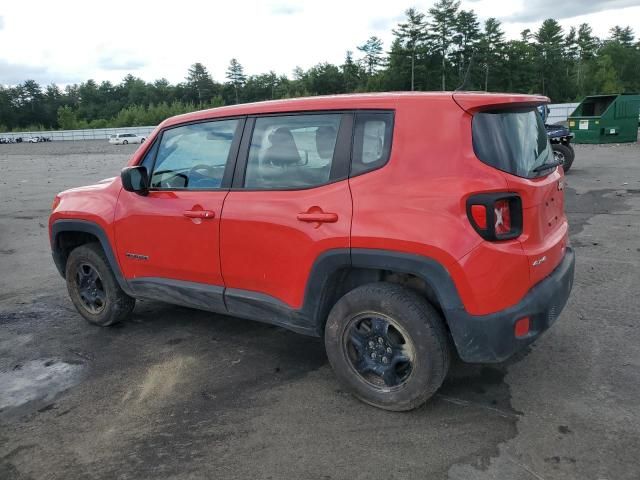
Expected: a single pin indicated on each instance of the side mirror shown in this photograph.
(135, 179)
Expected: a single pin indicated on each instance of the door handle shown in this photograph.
(199, 214)
(318, 217)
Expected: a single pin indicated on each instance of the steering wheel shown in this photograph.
(169, 182)
(210, 170)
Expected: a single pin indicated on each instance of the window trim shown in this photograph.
(227, 176)
(340, 164)
(392, 112)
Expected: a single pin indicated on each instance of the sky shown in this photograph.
(71, 41)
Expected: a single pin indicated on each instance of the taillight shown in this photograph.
(502, 212)
(495, 216)
(479, 214)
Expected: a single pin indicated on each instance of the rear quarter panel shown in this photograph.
(416, 203)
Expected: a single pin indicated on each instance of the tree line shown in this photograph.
(441, 49)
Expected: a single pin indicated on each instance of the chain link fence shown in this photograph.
(560, 112)
(87, 134)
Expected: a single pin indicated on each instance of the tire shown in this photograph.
(142, 140)
(125, 142)
(414, 344)
(563, 153)
(93, 287)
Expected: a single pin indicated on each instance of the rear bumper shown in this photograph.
(490, 338)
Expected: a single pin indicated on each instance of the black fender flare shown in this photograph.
(85, 226)
(432, 272)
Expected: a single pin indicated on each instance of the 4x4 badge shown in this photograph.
(540, 261)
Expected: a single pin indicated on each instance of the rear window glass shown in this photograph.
(514, 141)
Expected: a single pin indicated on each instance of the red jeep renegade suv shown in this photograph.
(400, 227)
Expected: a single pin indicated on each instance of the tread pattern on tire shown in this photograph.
(394, 294)
(120, 305)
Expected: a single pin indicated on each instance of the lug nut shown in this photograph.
(385, 360)
(373, 355)
(371, 344)
(389, 350)
(380, 340)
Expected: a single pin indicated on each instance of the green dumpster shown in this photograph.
(606, 119)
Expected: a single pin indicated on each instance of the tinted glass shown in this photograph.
(149, 157)
(194, 156)
(514, 141)
(371, 141)
(293, 151)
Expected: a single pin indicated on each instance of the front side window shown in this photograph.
(149, 157)
(512, 140)
(292, 151)
(194, 156)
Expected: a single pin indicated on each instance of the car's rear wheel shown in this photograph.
(564, 154)
(93, 287)
(388, 346)
(142, 140)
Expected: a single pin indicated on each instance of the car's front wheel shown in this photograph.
(125, 142)
(388, 346)
(93, 287)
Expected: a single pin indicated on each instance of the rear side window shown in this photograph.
(512, 140)
(371, 141)
(292, 151)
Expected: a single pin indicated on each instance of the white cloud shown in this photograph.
(159, 39)
(536, 10)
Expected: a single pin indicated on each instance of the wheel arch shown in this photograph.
(337, 272)
(69, 234)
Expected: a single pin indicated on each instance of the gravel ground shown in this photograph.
(177, 393)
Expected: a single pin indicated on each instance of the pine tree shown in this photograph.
(200, 82)
(587, 46)
(236, 76)
(491, 47)
(443, 23)
(549, 44)
(350, 72)
(623, 36)
(411, 35)
(466, 40)
(372, 50)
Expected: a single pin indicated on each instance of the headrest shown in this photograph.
(326, 141)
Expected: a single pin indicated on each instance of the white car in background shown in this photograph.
(125, 138)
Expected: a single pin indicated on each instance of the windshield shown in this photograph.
(512, 140)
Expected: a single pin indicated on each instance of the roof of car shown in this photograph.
(467, 100)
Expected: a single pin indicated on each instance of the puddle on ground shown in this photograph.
(36, 380)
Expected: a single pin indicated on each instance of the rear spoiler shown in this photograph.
(472, 102)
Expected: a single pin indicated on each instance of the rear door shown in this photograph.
(290, 202)
(173, 232)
